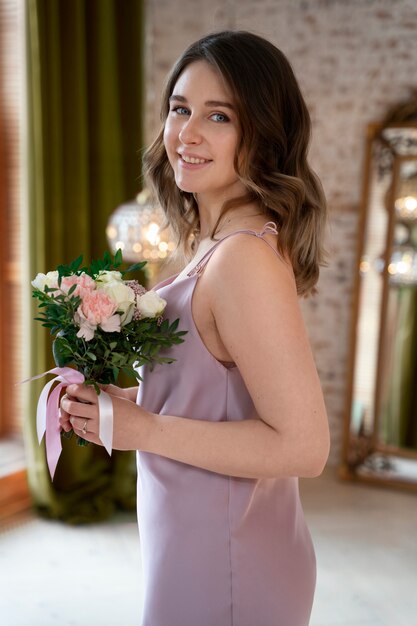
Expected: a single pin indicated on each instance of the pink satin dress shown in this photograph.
(216, 550)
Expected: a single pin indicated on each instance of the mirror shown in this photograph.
(380, 435)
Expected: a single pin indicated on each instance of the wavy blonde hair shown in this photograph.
(271, 156)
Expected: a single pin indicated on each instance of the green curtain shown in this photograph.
(84, 87)
(399, 398)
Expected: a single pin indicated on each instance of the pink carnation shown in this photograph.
(84, 284)
(96, 309)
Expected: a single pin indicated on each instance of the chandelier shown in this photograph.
(134, 228)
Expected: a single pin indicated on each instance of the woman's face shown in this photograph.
(202, 132)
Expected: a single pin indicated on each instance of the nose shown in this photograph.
(190, 132)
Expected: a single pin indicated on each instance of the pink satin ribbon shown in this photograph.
(47, 414)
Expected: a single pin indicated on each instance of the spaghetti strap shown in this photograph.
(269, 227)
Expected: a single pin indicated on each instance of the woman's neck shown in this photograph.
(240, 217)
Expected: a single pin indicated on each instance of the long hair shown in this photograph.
(271, 156)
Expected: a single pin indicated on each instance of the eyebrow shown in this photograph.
(208, 103)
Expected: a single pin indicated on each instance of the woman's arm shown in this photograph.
(255, 307)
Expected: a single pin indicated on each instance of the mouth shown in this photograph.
(193, 162)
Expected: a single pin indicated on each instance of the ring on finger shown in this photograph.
(84, 428)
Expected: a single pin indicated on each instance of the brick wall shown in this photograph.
(353, 59)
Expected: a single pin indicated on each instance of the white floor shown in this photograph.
(366, 545)
(365, 540)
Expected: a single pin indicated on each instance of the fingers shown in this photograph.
(72, 408)
(79, 400)
(85, 393)
(113, 390)
(79, 412)
(82, 426)
(64, 417)
(65, 424)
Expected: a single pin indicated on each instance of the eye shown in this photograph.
(220, 117)
(180, 110)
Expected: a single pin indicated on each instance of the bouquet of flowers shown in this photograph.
(102, 325)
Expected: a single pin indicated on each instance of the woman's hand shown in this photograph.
(80, 411)
(129, 393)
(113, 390)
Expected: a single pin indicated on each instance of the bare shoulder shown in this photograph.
(245, 264)
(252, 296)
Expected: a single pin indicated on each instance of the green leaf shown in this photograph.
(74, 265)
(135, 267)
(174, 325)
(118, 257)
(61, 352)
(92, 356)
(92, 383)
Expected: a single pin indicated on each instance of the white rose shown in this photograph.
(45, 280)
(150, 304)
(120, 293)
(107, 276)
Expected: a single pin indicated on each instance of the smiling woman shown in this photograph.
(224, 432)
(255, 104)
(200, 138)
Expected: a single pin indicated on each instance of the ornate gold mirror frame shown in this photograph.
(380, 434)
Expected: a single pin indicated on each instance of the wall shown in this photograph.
(353, 59)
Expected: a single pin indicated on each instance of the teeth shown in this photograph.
(193, 160)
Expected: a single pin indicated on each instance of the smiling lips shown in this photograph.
(193, 160)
